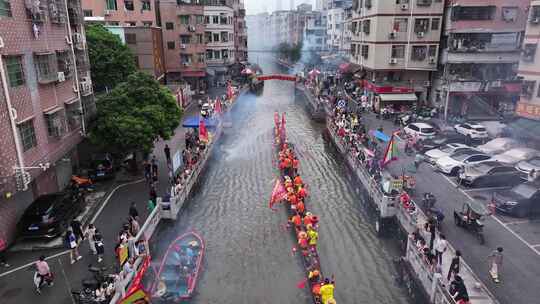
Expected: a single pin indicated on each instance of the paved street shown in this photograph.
(16, 284)
(520, 238)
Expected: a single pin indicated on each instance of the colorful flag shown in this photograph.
(282, 134)
(203, 133)
(230, 91)
(217, 107)
(276, 120)
(391, 152)
(278, 194)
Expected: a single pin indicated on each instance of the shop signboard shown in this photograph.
(387, 89)
(528, 110)
(465, 86)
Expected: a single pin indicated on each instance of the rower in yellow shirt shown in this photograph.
(327, 291)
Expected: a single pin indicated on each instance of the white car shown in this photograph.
(445, 150)
(420, 130)
(451, 164)
(515, 155)
(498, 145)
(472, 130)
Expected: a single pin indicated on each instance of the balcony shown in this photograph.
(503, 86)
(478, 57)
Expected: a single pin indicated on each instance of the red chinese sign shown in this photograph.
(528, 110)
(276, 77)
(386, 89)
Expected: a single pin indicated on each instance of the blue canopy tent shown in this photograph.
(380, 135)
(193, 122)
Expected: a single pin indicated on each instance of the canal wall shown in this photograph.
(312, 104)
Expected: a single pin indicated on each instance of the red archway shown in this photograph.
(276, 77)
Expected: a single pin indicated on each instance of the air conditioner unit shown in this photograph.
(392, 35)
(183, 46)
(61, 77)
(404, 6)
(432, 60)
(427, 83)
(393, 61)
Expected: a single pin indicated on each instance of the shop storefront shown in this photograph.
(397, 98)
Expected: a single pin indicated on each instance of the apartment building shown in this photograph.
(121, 12)
(480, 51)
(46, 100)
(240, 32)
(220, 41)
(528, 107)
(314, 31)
(335, 23)
(397, 45)
(256, 24)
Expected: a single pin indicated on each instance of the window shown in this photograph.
(472, 12)
(27, 134)
(215, 19)
(199, 19)
(184, 19)
(146, 5)
(432, 51)
(207, 37)
(224, 37)
(169, 25)
(509, 14)
(400, 25)
(206, 19)
(46, 67)
(529, 52)
(55, 123)
(199, 38)
(185, 58)
(423, 2)
(217, 55)
(224, 54)
(128, 4)
(88, 13)
(170, 45)
(185, 39)
(419, 53)
(131, 38)
(215, 37)
(534, 12)
(5, 8)
(111, 5)
(398, 51)
(366, 26)
(209, 54)
(435, 24)
(15, 71)
(527, 88)
(421, 25)
(65, 62)
(365, 51)
(200, 57)
(73, 116)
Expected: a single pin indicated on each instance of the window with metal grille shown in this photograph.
(74, 115)
(435, 24)
(184, 19)
(400, 24)
(15, 70)
(65, 62)
(5, 8)
(111, 5)
(131, 38)
(55, 123)
(432, 51)
(421, 25)
(46, 65)
(27, 134)
(398, 51)
(88, 13)
(200, 58)
(366, 26)
(170, 45)
(128, 4)
(146, 5)
(185, 39)
(169, 25)
(365, 51)
(419, 52)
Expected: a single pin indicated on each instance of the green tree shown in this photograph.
(111, 60)
(134, 115)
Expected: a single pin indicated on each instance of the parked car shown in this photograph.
(489, 174)
(526, 166)
(451, 164)
(420, 130)
(101, 167)
(434, 154)
(498, 145)
(441, 138)
(472, 130)
(515, 155)
(49, 215)
(522, 200)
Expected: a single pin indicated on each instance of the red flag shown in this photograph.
(203, 133)
(282, 129)
(276, 119)
(301, 284)
(217, 107)
(230, 91)
(278, 194)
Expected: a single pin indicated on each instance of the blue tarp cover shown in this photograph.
(193, 122)
(380, 135)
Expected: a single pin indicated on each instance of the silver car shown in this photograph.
(526, 166)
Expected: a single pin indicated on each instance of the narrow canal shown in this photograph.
(249, 257)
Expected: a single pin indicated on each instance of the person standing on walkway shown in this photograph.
(71, 243)
(147, 171)
(167, 152)
(440, 247)
(3, 248)
(133, 212)
(98, 243)
(454, 265)
(496, 260)
(134, 226)
(77, 230)
(90, 233)
(43, 274)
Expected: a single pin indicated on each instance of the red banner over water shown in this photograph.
(276, 77)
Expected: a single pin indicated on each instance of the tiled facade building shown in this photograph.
(46, 100)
